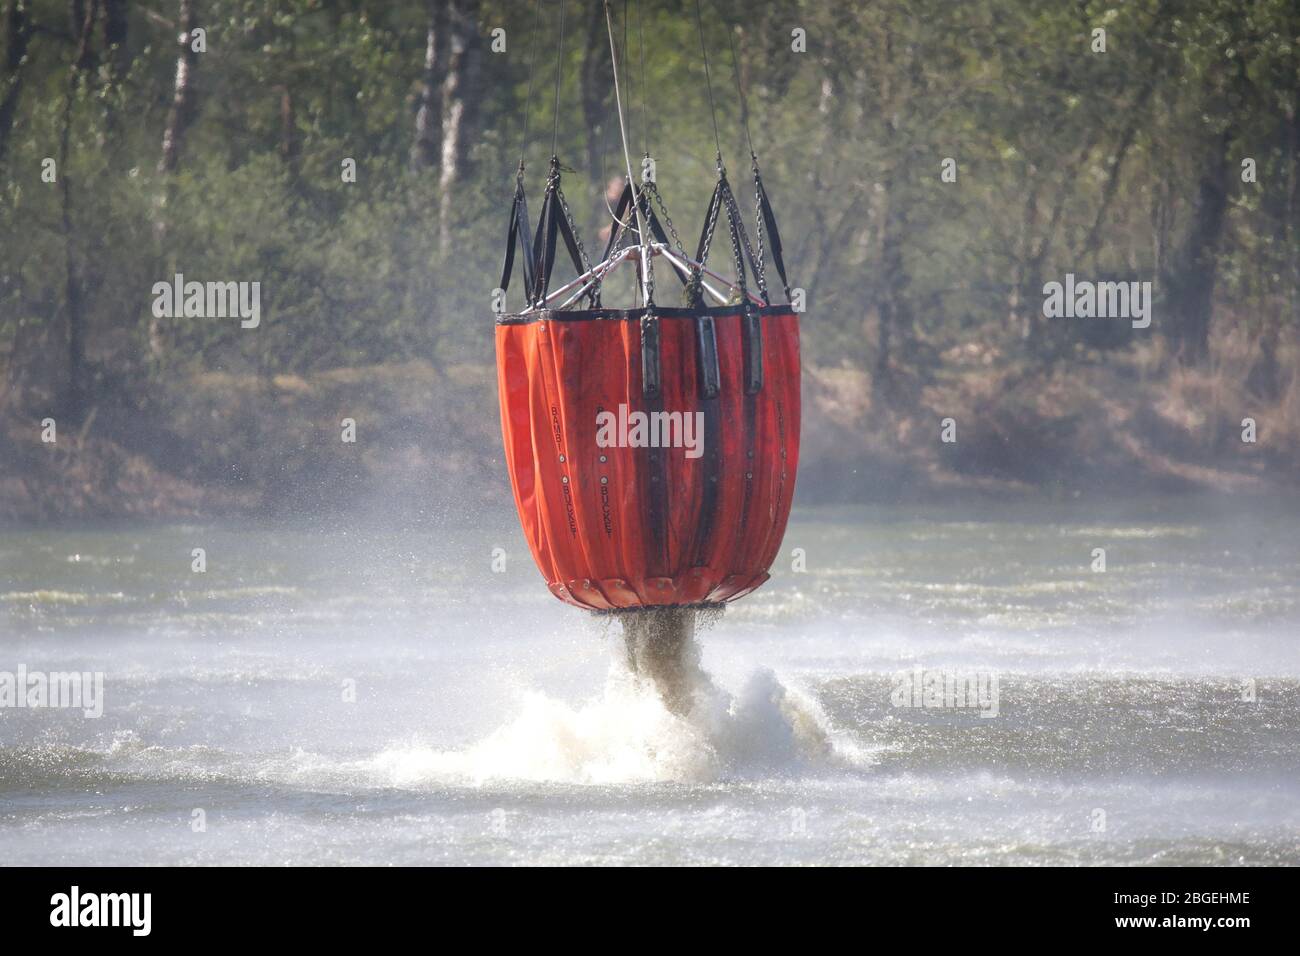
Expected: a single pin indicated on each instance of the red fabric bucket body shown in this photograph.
(622, 525)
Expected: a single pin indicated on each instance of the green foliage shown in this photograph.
(1067, 161)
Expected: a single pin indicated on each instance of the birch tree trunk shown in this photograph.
(179, 117)
(426, 148)
(181, 113)
(460, 108)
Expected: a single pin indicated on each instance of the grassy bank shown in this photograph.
(427, 441)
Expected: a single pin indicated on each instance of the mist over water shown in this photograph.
(493, 724)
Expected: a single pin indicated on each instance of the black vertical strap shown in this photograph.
(650, 354)
(544, 246)
(656, 506)
(525, 241)
(753, 326)
(518, 233)
(706, 336)
(710, 218)
(548, 258)
(773, 236)
(570, 243)
(539, 247)
(509, 265)
(553, 224)
(711, 476)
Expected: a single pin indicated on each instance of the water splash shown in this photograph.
(661, 718)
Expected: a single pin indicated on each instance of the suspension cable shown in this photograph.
(627, 69)
(528, 103)
(559, 64)
(640, 47)
(708, 82)
(740, 92)
(647, 282)
(761, 261)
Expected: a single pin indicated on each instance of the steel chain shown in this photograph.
(708, 236)
(593, 294)
(738, 227)
(653, 190)
(729, 201)
(758, 229)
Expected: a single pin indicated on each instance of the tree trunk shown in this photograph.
(83, 24)
(179, 117)
(74, 398)
(115, 34)
(181, 114)
(1021, 293)
(1265, 377)
(1293, 196)
(460, 108)
(426, 148)
(895, 314)
(18, 32)
(118, 59)
(288, 132)
(1137, 114)
(596, 67)
(1193, 285)
(895, 322)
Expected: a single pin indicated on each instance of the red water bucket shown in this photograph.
(652, 455)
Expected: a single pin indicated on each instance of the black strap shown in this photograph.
(553, 223)
(773, 235)
(570, 243)
(710, 217)
(544, 247)
(518, 232)
(650, 354)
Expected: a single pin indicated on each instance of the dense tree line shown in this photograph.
(129, 152)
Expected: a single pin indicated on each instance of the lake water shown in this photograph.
(342, 695)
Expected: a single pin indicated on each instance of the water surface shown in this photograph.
(336, 695)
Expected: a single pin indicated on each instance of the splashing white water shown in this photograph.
(628, 735)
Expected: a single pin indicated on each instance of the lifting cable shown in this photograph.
(645, 110)
(708, 82)
(559, 64)
(647, 274)
(760, 262)
(528, 103)
(517, 232)
(740, 93)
